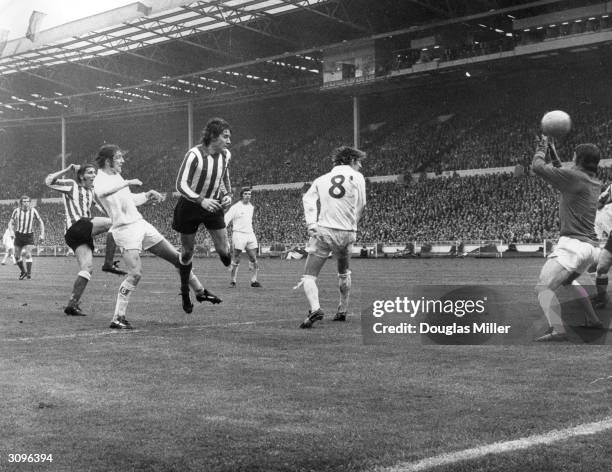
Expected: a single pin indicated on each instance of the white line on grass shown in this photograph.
(112, 333)
(502, 447)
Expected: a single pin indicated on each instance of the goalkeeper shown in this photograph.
(577, 248)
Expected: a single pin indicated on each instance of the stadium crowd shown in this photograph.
(482, 207)
(473, 125)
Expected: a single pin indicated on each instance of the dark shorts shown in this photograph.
(188, 216)
(80, 233)
(24, 239)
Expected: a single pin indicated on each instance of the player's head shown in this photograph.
(110, 156)
(587, 156)
(245, 194)
(349, 156)
(86, 174)
(217, 134)
(24, 202)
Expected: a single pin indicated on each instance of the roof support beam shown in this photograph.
(338, 13)
(251, 20)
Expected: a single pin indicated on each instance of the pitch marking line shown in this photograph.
(97, 334)
(502, 447)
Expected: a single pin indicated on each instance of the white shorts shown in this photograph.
(139, 235)
(7, 242)
(575, 256)
(331, 241)
(244, 241)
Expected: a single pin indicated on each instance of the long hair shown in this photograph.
(106, 152)
(214, 128)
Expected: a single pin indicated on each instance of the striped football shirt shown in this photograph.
(202, 174)
(23, 220)
(77, 199)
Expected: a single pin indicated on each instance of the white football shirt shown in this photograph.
(342, 196)
(121, 205)
(240, 215)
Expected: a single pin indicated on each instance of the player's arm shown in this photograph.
(184, 179)
(41, 224)
(361, 197)
(146, 197)
(103, 191)
(226, 200)
(605, 198)
(309, 201)
(229, 216)
(558, 177)
(53, 180)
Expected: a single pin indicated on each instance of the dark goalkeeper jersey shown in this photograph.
(578, 202)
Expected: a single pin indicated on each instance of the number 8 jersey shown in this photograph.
(342, 196)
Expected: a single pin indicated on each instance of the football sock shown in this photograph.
(20, 265)
(601, 284)
(312, 292)
(255, 267)
(123, 298)
(226, 259)
(79, 287)
(28, 262)
(195, 283)
(234, 272)
(585, 301)
(552, 310)
(109, 253)
(184, 271)
(344, 285)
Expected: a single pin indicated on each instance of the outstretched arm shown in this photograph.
(146, 197)
(105, 192)
(52, 178)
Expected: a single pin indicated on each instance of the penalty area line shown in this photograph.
(501, 447)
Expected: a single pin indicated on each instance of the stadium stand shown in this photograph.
(474, 127)
(484, 207)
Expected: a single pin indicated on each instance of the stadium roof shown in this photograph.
(165, 53)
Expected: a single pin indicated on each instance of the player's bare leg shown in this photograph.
(591, 320)
(19, 261)
(10, 252)
(27, 257)
(552, 276)
(235, 264)
(131, 259)
(102, 225)
(344, 286)
(84, 258)
(252, 253)
(222, 246)
(601, 281)
(166, 251)
(314, 264)
(185, 261)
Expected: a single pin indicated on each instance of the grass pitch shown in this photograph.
(238, 387)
